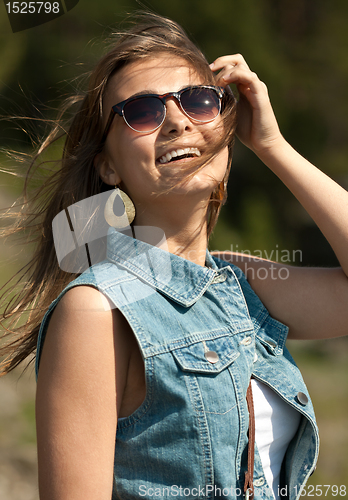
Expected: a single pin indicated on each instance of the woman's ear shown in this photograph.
(107, 172)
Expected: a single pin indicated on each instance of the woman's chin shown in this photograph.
(201, 183)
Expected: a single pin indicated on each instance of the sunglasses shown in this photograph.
(146, 113)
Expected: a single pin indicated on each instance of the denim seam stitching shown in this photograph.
(196, 397)
(145, 406)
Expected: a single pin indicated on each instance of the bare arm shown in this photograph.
(325, 292)
(80, 386)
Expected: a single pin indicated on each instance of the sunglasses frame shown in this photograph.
(117, 109)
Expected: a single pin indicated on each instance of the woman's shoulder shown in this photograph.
(80, 311)
(83, 299)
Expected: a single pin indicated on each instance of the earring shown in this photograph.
(128, 208)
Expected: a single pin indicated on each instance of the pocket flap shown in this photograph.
(195, 357)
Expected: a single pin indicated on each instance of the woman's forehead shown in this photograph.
(158, 74)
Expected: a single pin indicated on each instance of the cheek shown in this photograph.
(215, 129)
(221, 161)
(137, 146)
(129, 149)
(135, 162)
(214, 136)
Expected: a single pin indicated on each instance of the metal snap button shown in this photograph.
(219, 278)
(271, 343)
(302, 398)
(211, 356)
(246, 341)
(259, 482)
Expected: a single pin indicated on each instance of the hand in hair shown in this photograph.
(257, 126)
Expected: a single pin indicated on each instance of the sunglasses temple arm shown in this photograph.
(108, 124)
(229, 91)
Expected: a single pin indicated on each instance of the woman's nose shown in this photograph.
(176, 121)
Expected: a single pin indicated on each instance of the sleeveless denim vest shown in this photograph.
(203, 333)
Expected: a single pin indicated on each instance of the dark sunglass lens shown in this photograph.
(201, 104)
(144, 113)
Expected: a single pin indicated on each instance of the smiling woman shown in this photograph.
(162, 368)
(176, 125)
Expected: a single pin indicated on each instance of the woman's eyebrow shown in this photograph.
(148, 92)
(144, 92)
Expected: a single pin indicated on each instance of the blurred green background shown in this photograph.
(300, 49)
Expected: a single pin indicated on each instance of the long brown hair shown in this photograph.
(74, 178)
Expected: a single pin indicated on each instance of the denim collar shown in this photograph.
(179, 279)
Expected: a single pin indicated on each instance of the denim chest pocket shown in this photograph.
(205, 368)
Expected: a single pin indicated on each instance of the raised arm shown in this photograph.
(81, 377)
(324, 200)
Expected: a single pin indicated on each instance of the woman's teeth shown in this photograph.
(179, 152)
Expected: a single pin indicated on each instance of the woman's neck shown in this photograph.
(185, 230)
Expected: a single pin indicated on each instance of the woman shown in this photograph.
(160, 339)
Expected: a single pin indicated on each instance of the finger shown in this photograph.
(223, 61)
(231, 67)
(243, 79)
(226, 71)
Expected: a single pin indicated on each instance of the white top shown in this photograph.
(276, 423)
